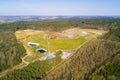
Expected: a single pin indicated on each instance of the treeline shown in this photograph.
(10, 50)
(109, 71)
(85, 61)
(58, 25)
(113, 34)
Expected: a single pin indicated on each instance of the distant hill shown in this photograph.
(5, 21)
(29, 18)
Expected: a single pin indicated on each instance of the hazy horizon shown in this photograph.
(59, 8)
(62, 15)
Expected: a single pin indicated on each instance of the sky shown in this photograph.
(60, 7)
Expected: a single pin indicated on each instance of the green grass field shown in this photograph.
(53, 44)
(67, 44)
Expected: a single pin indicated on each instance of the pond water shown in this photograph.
(41, 51)
(33, 44)
(49, 56)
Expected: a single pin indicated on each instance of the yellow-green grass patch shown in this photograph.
(66, 44)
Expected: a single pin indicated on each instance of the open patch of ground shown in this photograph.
(67, 40)
(73, 33)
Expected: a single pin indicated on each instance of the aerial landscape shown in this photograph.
(59, 40)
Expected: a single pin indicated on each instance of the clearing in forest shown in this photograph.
(50, 41)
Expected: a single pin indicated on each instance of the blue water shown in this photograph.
(32, 44)
(41, 51)
(49, 56)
